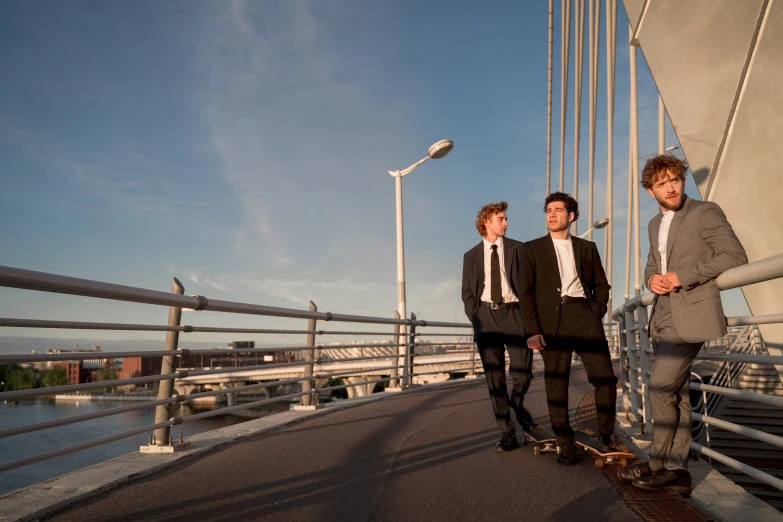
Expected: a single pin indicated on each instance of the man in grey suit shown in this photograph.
(691, 243)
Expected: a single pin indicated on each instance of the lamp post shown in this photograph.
(601, 223)
(436, 151)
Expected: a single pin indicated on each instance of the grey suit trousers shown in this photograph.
(669, 391)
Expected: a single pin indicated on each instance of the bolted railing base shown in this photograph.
(174, 448)
(308, 407)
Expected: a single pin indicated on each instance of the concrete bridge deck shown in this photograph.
(423, 455)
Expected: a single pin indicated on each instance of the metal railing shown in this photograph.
(726, 373)
(637, 356)
(401, 362)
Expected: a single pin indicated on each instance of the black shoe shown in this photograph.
(635, 471)
(525, 419)
(676, 480)
(567, 454)
(606, 444)
(507, 443)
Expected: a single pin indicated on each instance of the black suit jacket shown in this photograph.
(473, 273)
(540, 299)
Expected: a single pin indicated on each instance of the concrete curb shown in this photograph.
(713, 494)
(46, 498)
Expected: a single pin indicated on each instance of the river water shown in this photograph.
(40, 410)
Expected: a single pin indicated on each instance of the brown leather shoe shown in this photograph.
(676, 480)
(634, 471)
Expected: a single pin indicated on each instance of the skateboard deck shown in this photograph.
(600, 459)
(585, 424)
(544, 442)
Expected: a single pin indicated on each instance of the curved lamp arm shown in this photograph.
(410, 169)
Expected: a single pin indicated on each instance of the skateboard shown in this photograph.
(585, 424)
(543, 440)
(600, 459)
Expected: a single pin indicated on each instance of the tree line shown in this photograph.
(14, 377)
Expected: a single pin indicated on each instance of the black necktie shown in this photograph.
(495, 292)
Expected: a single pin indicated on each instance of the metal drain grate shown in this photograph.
(585, 418)
(652, 506)
(655, 506)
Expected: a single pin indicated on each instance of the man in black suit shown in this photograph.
(564, 296)
(490, 290)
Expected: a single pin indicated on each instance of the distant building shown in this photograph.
(139, 367)
(97, 361)
(234, 357)
(74, 371)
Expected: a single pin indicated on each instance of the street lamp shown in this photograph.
(601, 223)
(666, 151)
(436, 151)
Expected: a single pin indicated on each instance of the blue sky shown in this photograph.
(243, 147)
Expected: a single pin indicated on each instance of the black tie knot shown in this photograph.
(494, 247)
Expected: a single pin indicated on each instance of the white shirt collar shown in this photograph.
(498, 242)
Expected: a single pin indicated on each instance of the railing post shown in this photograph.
(645, 353)
(624, 364)
(410, 346)
(395, 372)
(474, 349)
(163, 412)
(633, 365)
(307, 384)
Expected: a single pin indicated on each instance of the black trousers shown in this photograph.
(580, 330)
(495, 332)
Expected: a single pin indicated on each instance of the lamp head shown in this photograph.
(440, 149)
(601, 223)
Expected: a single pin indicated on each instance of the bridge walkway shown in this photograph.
(423, 455)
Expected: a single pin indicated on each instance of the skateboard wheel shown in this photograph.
(599, 463)
(537, 450)
(622, 462)
(557, 450)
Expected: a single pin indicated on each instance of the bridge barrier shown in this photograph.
(637, 356)
(315, 368)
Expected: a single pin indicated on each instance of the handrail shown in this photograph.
(758, 359)
(744, 275)
(45, 282)
(82, 356)
(740, 430)
(773, 400)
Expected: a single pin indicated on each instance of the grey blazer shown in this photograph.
(701, 246)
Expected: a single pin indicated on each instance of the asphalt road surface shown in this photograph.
(427, 455)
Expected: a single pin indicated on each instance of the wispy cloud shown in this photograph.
(129, 183)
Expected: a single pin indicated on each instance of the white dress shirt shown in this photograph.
(505, 288)
(663, 237)
(570, 285)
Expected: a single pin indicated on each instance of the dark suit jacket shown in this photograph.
(540, 297)
(473, 273)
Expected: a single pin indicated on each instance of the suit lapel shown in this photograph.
(480, 270)
(549, 247)
(508, 250)
(656, 229)
(577, 246)
(675, 225)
